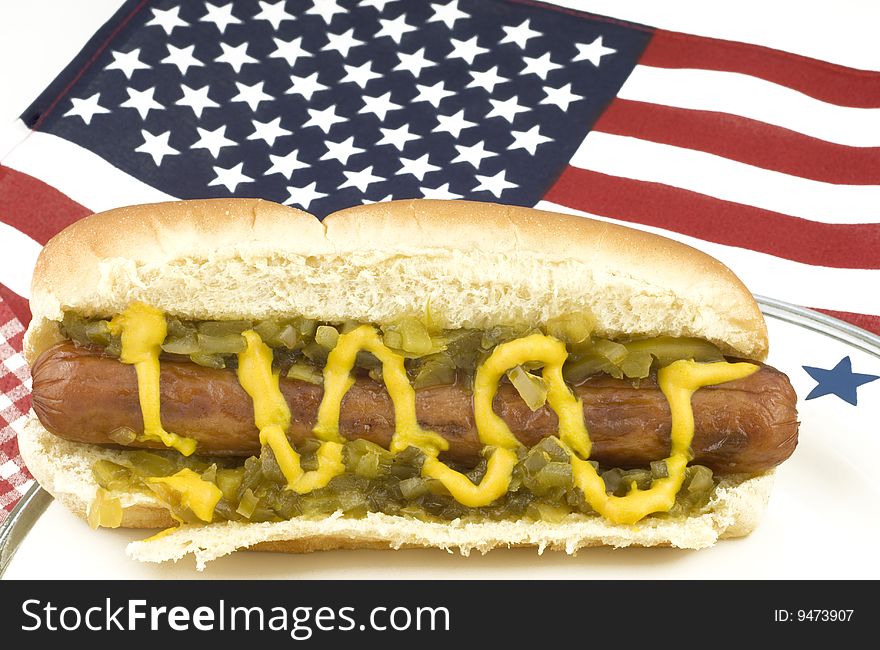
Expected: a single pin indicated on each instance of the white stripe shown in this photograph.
(739, 94)
(800, 284)
(18, 259)
(726, 179)
(82, 175)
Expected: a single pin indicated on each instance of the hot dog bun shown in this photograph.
(473, 264)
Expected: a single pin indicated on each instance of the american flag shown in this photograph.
(767, 160)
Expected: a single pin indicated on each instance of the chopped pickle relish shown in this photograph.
(301, 346)
(375, 480)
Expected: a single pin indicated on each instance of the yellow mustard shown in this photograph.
(272, 417)
(678, 381)
(197, 494)
(569, 410)
(337, 381)
(142, 329)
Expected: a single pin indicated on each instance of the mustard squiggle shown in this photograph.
(143, 329)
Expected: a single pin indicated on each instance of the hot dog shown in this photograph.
(746, 425)
(412, 373)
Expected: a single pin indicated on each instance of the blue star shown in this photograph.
(840, 381)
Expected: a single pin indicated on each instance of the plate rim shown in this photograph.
(15, 528)
(815, 321)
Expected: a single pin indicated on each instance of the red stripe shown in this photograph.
(865, 321)
(744, 140)
(825, 81)
(17, 304)
(35, 208)
(848, 246)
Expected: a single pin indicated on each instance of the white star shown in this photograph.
(341, 151)
(220, 16)
(274, 13)
(592, 52)
(454, 124)
(508, 109)
(539, 66)
(432, 94)
(326, 9)
(361, 75)
(128, 62)
(306, 86)
(519, 34)
(495, 184)
(230, 178)
(413, 63)
(387, 197)
(418, 167)
(397, 137)
(342, 43)
(182, 57)
(268, 131)
(379, 106)
(378, 4)
(213, 141)
(441, 192)
(251, 95)
(473, 154)
(561, 97)
(528, 140)
(394, 28)
(361, 180)
(447, 14)
(467, 50)
(142, 101)
(291, 51)
(303, 196)
(235, 56)
(285, 165)
(197, 100)
(86, 108)
(487, 80)
(156, 146)
(324, 119)
(167, 19)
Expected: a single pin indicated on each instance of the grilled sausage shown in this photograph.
(747, 425)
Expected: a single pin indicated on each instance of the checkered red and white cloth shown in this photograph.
(15, 402)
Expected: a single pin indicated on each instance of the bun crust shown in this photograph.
(474, 264)
(64, 469)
